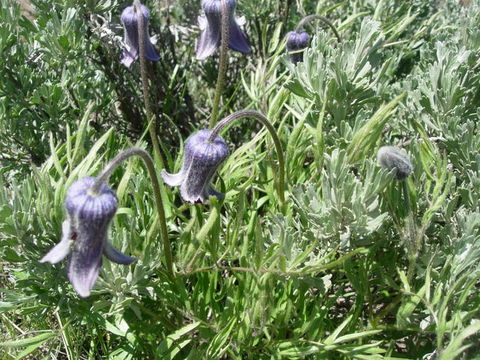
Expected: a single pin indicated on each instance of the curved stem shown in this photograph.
(147, 159)
(152, 128)
(222, 67)
(323, 19)
(276, 140)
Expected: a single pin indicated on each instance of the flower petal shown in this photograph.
(172, 179)
(150, 52)
(209, 40)
(128, 58)
(83, 272)
(237, 40)
(86, 258)
(61, 250)
(115, 255)
(210, 191)
(202, 22)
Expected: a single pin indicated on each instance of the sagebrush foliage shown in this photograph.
(360, 266)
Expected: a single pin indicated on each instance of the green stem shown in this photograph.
(223, 64)
(276, 140)
(145, 156)
(152, 125)
(413, 244)
(323, 19)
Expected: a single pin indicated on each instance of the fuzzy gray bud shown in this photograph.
(392, 158)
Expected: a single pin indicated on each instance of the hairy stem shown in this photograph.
(152, 125)
(323, 19)
(147, 159)
(413, 239)
(222, 66)
(276, 140)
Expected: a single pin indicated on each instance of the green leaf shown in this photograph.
(41, 338)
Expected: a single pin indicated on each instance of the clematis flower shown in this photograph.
(297, 41)
(211, 27)
(85, 234)
(130, 26)
(391, 158)
(201, 160)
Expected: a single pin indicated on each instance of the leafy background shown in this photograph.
(330, 278)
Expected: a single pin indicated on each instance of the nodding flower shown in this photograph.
(297, 41)
(85, 234)
(132, 47)
(391, 158)
(201, 159)
(211, 27)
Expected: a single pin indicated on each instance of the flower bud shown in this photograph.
(297, 41)
(392, 158)
(201, 159)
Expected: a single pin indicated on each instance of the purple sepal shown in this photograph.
(62, 249)
(115, 255)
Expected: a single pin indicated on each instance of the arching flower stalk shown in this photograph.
(280, 178)
(206, 150)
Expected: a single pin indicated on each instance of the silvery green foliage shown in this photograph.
(297, 41)
(345, 210)
(211, 27)
(201, 160)
(392, 158)
(465, 249)
(351, 69)
(84, 235)
(132, 47)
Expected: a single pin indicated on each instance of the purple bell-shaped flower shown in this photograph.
(211, 27)
(296, 42)
(201, 159)
(132, 48)
(85, 234)
(392, 158)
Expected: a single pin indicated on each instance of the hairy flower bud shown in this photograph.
(89, 216)
(296, 42)
(211, 27)
(201, 159)
(132, 47)
(392, 158)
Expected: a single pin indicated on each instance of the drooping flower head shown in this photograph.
(132, 46)
(211, 26)
(85, 234)
(296, 42)
(201, 159)
(391, 158)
